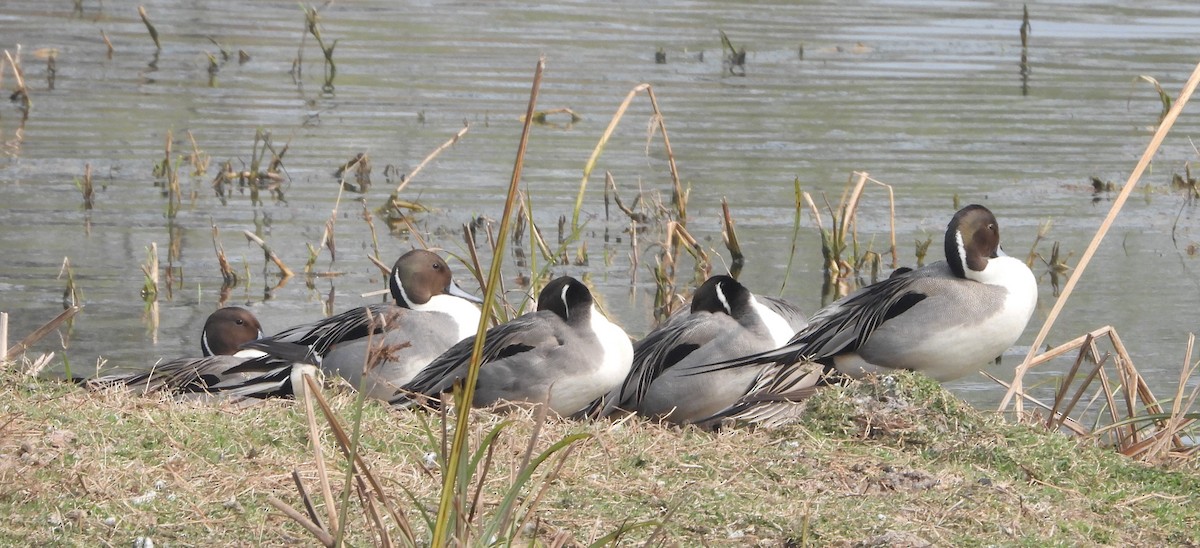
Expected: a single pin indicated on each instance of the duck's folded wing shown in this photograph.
(239, 376)
(654, 354)
(523, 334)
(776, 397)
(840, 327)
(312, 341)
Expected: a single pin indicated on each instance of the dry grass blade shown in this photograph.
(679, 197)
(314, 436)
(1163, 128)
(359, 465)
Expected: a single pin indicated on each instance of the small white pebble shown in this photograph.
(143, 542)
(430, 460)
(54, 520)
(160, 485)
(110, 521)
(146, 498)
(737, 534)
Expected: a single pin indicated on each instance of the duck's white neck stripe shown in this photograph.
(403, 294)
(566, 307)
(962, 251)
(724, 301)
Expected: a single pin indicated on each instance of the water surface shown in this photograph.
(927, 97)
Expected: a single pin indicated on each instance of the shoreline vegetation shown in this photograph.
(892, 460)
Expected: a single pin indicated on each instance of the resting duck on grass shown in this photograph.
(945, 320)
(725, 321)
(565, 354)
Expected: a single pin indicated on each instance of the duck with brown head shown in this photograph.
(946, 319)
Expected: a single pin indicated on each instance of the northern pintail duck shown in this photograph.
(945, 320)
(725, 321)
(566, 354)
(430, 313)
(225, 368)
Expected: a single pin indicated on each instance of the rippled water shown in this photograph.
(927, 97)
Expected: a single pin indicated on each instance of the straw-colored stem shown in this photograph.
(591, 163)
(314, 434)
(1118, 203)
(283, 269)
(20, 348)
(458, 448)
(324, 537)
(429, 158)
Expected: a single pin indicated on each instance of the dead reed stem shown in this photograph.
(227, 274)
(1163, 128)
(730, 236)
(314, 435)
(323, 536)
(21, 92)
(31, 339)
(107, 43)
(149, 26)
(283, 269)
(429, 158)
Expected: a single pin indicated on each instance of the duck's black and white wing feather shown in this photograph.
(841, 327)
(237, 376)
(522, 335)
(312, 341)
(654, 354)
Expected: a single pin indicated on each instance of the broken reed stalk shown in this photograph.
(86, 187)
(679, 198)
(429, 158)
(731, 239)
(107, 43)
(1159, 135)
(228, 276)
(283, 269)
(149, 27)
(31, 339)
(458, 448)
(3, 337)
(322, 535)
(150, 271)
(21, 92)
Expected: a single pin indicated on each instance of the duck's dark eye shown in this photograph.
(240, 321)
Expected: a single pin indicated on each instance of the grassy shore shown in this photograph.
(897, 461)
